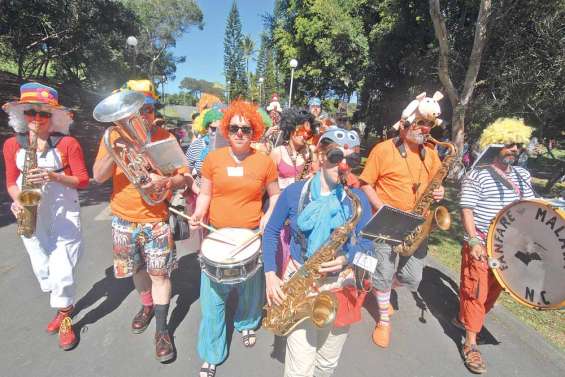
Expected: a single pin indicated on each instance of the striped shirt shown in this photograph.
(486, 196)
(193, 156)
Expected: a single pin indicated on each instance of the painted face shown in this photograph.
(240, 132)
(148, 113)
(302, 134)
(418, 130)
(315, 110)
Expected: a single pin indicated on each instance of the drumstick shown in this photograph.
(210, 228)
(249, 241)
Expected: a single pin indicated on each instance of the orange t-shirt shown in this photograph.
(237, 190)
(126, 202)
(393, 176)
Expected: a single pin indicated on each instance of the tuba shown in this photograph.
(440, 215)
(302, 301)
(30, 194)
(133, 151)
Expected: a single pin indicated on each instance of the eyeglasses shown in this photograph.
(512, 145)
(306, 133)
(33, 113)
(234, 128)
(424, 123)
(147, 110)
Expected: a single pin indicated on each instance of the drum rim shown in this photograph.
(489, 249)
(237, 280)
(255, 255)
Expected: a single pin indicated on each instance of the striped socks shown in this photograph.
(383, 301)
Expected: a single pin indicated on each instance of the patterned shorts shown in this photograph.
(136, 245)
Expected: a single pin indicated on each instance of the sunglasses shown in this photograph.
(234, 128)
(304, 132)
(147, 110)
(33, 113)
(511, 145)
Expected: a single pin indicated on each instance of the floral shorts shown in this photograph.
(138, 245)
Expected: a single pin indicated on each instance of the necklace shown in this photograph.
(415, 183)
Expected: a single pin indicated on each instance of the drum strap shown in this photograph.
(503, 178)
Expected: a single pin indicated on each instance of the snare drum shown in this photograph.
(526, 249)
(224, 261)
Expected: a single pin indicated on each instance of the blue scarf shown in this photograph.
(206, 149)
(322, 215)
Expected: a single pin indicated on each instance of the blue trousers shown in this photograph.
(212, 342)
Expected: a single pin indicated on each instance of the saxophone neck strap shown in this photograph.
(399, 143)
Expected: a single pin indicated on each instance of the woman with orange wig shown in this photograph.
(234, 180)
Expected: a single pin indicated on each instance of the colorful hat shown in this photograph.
(35, 94)
(206, 101)
(506, 131)
(211, 116)
(266, 118)
(314, 101)
(145, 87)
(274, 104)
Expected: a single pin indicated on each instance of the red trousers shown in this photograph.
(478, 290)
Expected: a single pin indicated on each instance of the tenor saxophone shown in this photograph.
(440, 215)
(302, 300)
(30, 194)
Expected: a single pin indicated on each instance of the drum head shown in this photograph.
(527, 239)
(219, 246)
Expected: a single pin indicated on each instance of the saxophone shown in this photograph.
(306, 167)
(30, 194)
(440, 214)
(302, 300)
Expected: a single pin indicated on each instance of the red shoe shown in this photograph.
(67, 336)
(53, 326)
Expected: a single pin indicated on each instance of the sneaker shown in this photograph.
(53, 326)
(142, 319)
(67, 336)
(381, 335)
(164, 350)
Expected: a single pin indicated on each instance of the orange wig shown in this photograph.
(249, 112)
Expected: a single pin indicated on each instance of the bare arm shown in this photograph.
(478, 250)
(374, 199)
(103, 169)
(202, 202)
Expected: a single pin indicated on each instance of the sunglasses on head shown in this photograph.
(511, 145)
(234, 128)
(33, 113)
(147, 110)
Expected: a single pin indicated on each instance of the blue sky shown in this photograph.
(204, 49)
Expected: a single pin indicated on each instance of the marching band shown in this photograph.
(280, 216)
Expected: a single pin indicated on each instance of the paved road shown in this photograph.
(423, 343)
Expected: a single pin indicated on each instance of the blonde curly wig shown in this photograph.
(506, 131)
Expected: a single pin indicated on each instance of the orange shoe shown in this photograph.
(381, 335)
(390, 310)
(67, 336)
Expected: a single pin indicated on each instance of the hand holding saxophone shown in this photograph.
(275, 294)
(334, 265)
(438, 193)
(41, 176)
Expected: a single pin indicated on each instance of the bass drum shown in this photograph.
(526, 249)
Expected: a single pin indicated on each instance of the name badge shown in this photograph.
(235, 171)
(365, 261)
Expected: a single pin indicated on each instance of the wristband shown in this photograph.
(473, 241)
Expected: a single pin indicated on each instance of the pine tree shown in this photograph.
(234, 59)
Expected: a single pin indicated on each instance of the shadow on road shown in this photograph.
(440, 293)
(114, 290)
(186, 284)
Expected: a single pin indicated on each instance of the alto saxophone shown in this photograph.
(440, 214)
(306, 167)
(302, 300)
(30, 194)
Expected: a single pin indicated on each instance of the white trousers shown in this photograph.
(56, 246)
(313, 352)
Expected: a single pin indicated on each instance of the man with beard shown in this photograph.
(397, 172)
(484, 192)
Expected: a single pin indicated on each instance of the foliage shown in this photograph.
(181, 98)
(234, 59)
(327, 39)
(161, 23)
(196, 87)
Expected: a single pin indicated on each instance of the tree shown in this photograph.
(196, 87)
(182, 98)
(162, 22)
(460, 99)
(234, 60)
(248, 47)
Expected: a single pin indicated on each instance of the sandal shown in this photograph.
(208, 371)
(473, 359)
(249, 338)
